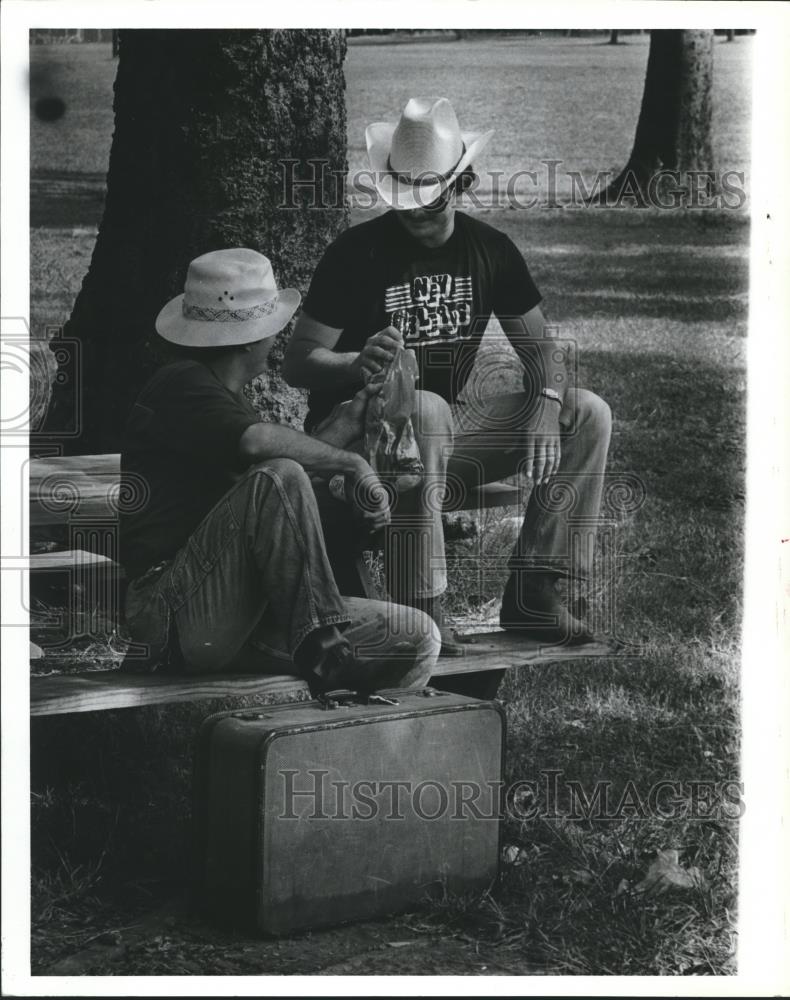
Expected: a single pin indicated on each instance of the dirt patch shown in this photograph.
(173, 940)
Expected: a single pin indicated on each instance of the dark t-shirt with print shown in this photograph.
(376, 275)
(182, 440)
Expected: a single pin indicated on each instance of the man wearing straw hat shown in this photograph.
(226, 556)
(428, 277)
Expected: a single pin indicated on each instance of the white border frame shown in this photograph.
(764, 966)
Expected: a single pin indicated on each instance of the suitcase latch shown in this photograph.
(429, 692)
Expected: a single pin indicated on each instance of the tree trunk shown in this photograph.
(43, 370)
(614, 37)
(203, 120)
(674, 128)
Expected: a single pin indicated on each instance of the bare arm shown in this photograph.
(263, 441)
(544, 368)
(541, 356)
(312, 363)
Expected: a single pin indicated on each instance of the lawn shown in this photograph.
(570, 99)
(656, 305)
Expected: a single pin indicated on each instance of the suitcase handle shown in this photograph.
(343, 698)
(346, 698)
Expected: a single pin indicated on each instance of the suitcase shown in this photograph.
(308, 816)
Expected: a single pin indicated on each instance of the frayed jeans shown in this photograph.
(253, 582)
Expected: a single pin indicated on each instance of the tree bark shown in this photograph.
(674, 127)
(203, 121)
(43, 369)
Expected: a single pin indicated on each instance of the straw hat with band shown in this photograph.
(416, 160)
(230, 297)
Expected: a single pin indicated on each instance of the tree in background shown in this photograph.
(203, 121)
(674, 128)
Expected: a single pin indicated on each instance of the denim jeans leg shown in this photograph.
(414, 558)
(393, 646)
(561, 522)
(559, 528)
(261, 549)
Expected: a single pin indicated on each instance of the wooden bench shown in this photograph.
(87, 487)
(98, 690)
(84, 493)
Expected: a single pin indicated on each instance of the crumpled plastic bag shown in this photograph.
(390, 444)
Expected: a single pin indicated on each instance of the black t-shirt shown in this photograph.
(182, 438)
(376, 275)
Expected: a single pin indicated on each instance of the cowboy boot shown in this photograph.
(432, 606)
(538, 605)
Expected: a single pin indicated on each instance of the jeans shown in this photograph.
(483, 441)
(253, 583)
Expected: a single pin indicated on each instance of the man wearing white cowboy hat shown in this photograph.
(428, 277)
(226, 553)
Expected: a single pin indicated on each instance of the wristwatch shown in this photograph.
(552, 394)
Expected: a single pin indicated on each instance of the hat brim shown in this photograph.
(400, 195)
(172, 325)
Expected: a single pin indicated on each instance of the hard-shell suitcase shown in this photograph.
(307, 816)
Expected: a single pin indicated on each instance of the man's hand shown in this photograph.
(542, 458)
(345, 425)
(367, 495)
(378, 351)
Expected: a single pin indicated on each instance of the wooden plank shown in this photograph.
(110, 689)
(506, 650)
(95, 501)
(87, 485)
(74, 485)
(73, 560)
(97, 470)
(90, 465)
(100, 690)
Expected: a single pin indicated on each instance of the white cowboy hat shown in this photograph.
(414, 161)
(230, 297)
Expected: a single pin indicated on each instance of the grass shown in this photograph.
(656, 305)
(673, 373)
(58, 263)
(567, 99)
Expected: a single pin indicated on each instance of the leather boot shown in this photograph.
(432, 606)
(536, 604)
